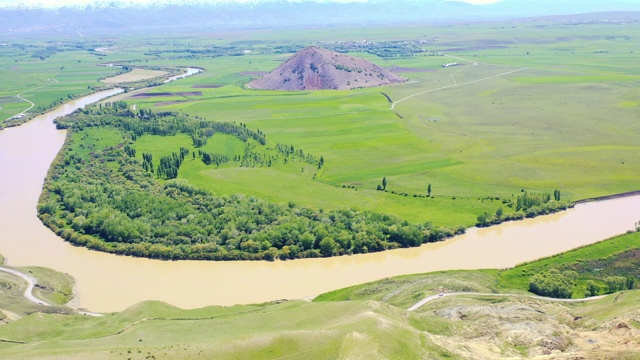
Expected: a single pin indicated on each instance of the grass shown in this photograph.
(12, 300)
(518, 277)
(567, 122)
(404, 291)
(134, 75)
(56, 286)
(298, 178)
(52, 286)
(554, 125)
(294, 329)
(75, 72)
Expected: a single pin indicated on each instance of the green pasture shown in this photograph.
(566, 119)
(11, 106)
(262, 331)
(537, 106)
(502, 122)
(74, 71)
(55, 287)
(295, 182)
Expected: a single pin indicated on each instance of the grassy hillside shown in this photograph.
(612, 257)
(372, 324)
(460, 328)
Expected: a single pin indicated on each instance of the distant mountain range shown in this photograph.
(113, 17)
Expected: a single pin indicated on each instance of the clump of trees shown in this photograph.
(169, 165)
(216, 159)
(110, 201)
(619, 283)
(553, 283)
(526, 206)
(613, 284)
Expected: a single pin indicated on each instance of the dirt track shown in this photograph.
(433, 297)
(28, 293)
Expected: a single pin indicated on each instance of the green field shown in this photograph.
(544, 110)
(534, 106)
(24, 73)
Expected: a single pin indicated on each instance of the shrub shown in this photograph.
(552, 284)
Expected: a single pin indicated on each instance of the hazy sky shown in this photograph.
(60, 3)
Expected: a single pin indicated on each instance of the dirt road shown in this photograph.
(28, 293)
(442, 295)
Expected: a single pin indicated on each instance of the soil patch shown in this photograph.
(253, 73)
(185, 93)
(135, 75)
(166, 103)
(9, 100)
(399, 69)
(478, 47)
(206, 86)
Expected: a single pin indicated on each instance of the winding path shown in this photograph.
(28, 293)
(433, 297)
(19, 96)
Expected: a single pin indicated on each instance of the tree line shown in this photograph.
(527, 205)
(556, 284)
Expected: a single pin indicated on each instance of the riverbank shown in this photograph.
(609, 197)
(473, 309)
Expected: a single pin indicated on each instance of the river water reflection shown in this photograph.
(108, 282)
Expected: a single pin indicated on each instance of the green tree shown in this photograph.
(631, 282)
(551, 283)
(483, 219)
(592, 288)
(616, 283)
(499, 212)
(429, 190)
(570, 274)
(384, 183)
(327, 247)
(306, 241)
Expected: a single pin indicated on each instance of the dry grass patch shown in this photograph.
(135, 75)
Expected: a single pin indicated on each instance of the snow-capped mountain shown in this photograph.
(132, 15)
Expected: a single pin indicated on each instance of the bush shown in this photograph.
(592, 289)
(552, 284)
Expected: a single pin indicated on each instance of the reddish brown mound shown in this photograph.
(320, 69)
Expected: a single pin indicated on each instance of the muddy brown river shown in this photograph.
(106, 282)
